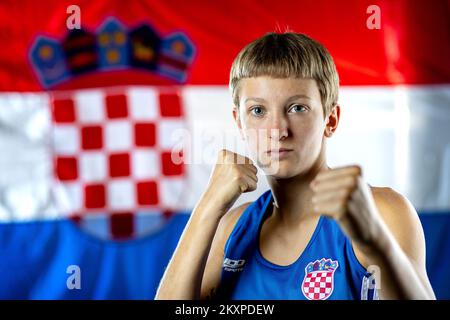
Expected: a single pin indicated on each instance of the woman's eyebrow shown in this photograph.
(254, 99)
(295, 97)
(298, 96)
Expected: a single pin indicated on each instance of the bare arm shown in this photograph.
(384, 229)
(402, 256)
(213, 268)
(182, 278)
(232, 175)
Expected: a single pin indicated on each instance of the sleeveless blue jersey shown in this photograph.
(327, 269)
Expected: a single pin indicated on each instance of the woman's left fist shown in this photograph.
(342, 194)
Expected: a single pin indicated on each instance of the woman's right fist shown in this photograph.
(233, 174)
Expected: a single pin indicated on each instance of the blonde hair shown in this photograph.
(283, 55)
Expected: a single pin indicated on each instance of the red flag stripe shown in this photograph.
(411, 47)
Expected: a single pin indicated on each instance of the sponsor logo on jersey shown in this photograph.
(233, 265)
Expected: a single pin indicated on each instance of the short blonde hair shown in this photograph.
(283, 55)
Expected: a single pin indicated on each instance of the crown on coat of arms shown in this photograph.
(111, 47)
(322, 265)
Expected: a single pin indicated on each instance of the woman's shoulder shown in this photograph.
(229, 220)
(397, 211)
(387, 198)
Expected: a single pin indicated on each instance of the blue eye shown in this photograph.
(257, 111)
(297, 108)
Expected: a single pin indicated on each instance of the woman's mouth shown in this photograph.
(280, 153)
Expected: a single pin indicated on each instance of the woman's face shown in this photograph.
(283, 123)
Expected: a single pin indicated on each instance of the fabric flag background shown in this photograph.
(93, 120)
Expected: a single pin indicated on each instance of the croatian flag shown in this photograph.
(109, 132)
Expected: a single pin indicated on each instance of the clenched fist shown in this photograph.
(233, 175)
(342, 194)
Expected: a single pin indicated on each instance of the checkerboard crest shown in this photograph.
(113, 152)
(318, 283)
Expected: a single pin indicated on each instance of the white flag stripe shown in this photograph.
(398, 134)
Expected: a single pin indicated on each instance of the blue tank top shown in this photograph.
(327, 268)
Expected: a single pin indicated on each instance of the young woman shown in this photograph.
(319, 232)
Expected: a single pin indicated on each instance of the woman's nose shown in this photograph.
(279, 128)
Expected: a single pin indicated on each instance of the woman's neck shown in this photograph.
(292, 196)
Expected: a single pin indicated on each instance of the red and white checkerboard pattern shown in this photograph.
(318, 285)
(112, 150)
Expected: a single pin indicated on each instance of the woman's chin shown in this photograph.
(278, 170)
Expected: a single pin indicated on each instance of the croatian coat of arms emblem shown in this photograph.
(318, 283)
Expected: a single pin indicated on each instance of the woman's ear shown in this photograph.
(237, 119)
(332, 121)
